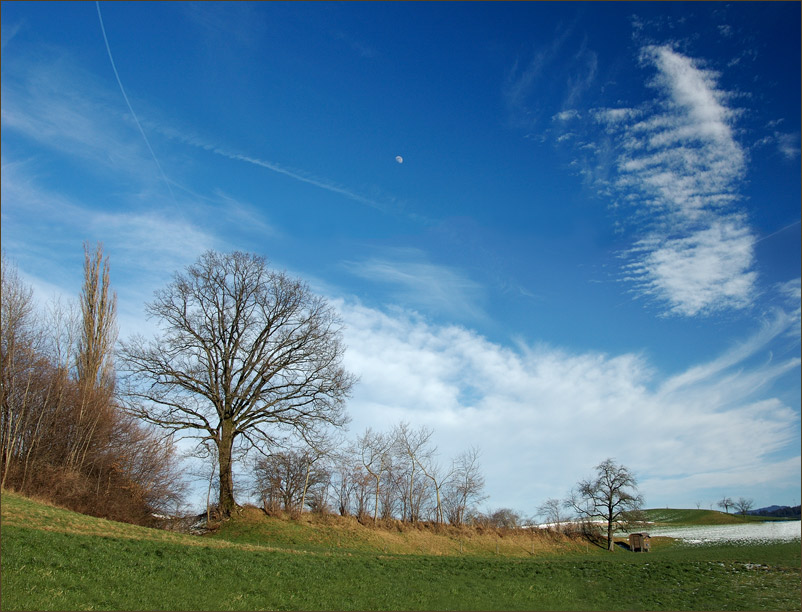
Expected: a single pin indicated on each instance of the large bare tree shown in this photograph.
(610, 496)
(244, 354)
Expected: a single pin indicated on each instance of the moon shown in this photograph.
(399, 159)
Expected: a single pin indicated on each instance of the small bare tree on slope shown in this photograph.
(610, 496)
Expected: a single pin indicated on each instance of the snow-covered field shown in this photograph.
(750, 533)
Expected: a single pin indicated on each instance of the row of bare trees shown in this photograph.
(742, 505)
(63, 435)
(380, 475)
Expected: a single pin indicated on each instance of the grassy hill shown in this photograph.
(53, 559)
(667, 516)
(316, 533)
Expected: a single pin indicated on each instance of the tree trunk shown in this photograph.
(610, 533)
(225, 445)
(306, 486)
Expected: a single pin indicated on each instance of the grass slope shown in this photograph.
(316, 533)
(667, 516)
(53, 559)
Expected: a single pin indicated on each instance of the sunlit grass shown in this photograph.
(59, 560)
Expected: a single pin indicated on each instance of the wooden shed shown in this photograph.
(639, 542)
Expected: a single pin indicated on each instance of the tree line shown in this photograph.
(377, 476)
(64, 434)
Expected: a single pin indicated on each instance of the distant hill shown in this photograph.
(778, 512)
(673, 516)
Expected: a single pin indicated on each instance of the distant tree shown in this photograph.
(439, 477)
(347, 475)
(505, 518)
(726, 503)
(284, 478)
(375, 452)
(413, 446)
(744, 505)
(551, 511)
(245, 354)
(20, 343)
(94, 359)
(94, 365)
(465, 488)
(610, 495)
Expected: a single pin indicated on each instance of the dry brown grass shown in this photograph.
(335, 533)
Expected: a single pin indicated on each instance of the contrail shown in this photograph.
(130, 108)
(779, 231)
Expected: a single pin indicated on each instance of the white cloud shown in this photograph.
(788, 144)
(419, 284)
(544, 417)
(700, 273)
(566, 115)
(681, 167)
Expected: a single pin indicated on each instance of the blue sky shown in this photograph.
(559, 232)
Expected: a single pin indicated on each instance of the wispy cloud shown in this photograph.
(362, 49)
(787, 144)
(706, 270)
(555, 413)
(61, 107)
(533, 81)
(128, 102)
(420, 284)
(226, 27)
(9, 31)
(680, 167)
(384, 204)
(154, 239)
(298, 175)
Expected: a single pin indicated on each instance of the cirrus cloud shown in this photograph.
(680, 167)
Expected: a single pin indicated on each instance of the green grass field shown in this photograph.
(53, 559)
(667, 516)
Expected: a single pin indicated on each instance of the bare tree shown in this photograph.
(344, 481)
(726, 503)
(63, 437)
(375, 451)
(19, 345)
(244, 354)
(94, 360)
(610, 495)
(439, 478)
(206, 452)
(551, 510)
(744, 505)
(284, 478)
(465, 487)
(413, 445)
(94, 366)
